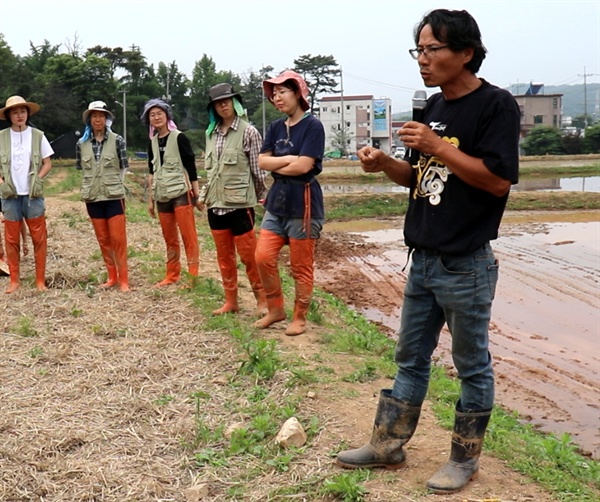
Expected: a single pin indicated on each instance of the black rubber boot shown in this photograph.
(467, 440)
(395, 423)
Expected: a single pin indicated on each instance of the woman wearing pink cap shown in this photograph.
(292, 151)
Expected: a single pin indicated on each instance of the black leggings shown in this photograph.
(105, 209)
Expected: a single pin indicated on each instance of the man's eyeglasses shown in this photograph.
(428, 51)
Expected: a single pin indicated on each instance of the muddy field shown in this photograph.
(546, 323)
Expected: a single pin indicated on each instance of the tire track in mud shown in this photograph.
(545, 321)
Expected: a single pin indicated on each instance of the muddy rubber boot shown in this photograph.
(246, 248)
(467, 441)
(12, 236)
(39, 237)
(168, 225)
(395, 424)
(102, 232)
(267, 253)
(302, 257)
(226, 259)
(118, 239)
(187, 226)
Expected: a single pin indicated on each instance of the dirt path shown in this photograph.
(545, 328)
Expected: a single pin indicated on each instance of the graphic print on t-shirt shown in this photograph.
(432, 173)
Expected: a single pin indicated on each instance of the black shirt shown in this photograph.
(446, 214)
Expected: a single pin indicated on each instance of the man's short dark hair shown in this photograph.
(457, 29)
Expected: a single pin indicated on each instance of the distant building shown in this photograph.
(367, 121)
(539, 109)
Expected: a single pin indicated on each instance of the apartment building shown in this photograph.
(364, 120)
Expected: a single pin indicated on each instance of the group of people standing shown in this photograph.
(237, 162)
(467, 160)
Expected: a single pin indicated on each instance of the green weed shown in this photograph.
(347, 487)
(26, 328)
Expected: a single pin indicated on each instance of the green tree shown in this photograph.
(340, 139)
(140, 84)
(319, 72)
(11, 69)
(591, 141)
(543, 140)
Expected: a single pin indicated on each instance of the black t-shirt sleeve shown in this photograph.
(150, 158)
(187, 156)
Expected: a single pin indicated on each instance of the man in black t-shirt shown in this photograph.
(468, 144)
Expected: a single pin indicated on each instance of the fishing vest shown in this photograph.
(230, 182)
(102, 177)
(36, 184)
(169, 180)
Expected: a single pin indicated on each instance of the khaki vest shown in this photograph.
(230, 182)
(170, 178)
(36, 184)
(102, 177)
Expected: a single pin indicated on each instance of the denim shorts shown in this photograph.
(291, 228)
(23, 208)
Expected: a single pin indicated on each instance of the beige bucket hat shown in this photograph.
(14, 101)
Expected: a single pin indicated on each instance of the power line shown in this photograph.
(363, 79)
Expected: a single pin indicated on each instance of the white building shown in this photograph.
(368, 121)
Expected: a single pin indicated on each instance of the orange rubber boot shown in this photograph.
(101, 229)
(187, 226)
(267, 253)
(224, 241)
(302, 254)
(118, 239)
(39, 236)
(12, 236)
(246, 248)
(168, 226)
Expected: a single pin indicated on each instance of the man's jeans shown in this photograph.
(457, 290)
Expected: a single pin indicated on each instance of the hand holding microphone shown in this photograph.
(419, 101)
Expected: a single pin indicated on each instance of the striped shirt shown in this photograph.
(252, 143)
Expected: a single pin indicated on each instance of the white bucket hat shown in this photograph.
(96, 106)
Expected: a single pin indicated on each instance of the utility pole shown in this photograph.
(585, 115)
(343, 131)
(124, 106)
(125, 116)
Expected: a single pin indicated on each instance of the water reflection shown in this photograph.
(589, 184)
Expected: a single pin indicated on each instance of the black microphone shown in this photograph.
(419, 100)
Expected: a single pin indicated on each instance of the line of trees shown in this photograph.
(544, 140)
(65, 80)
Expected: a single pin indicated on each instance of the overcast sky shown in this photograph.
(549, 41)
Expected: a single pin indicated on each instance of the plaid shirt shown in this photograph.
(97, 149)
(251, 144)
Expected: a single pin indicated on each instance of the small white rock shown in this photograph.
(291, 434)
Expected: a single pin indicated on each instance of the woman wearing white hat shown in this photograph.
(102, 156)
(24, 163)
